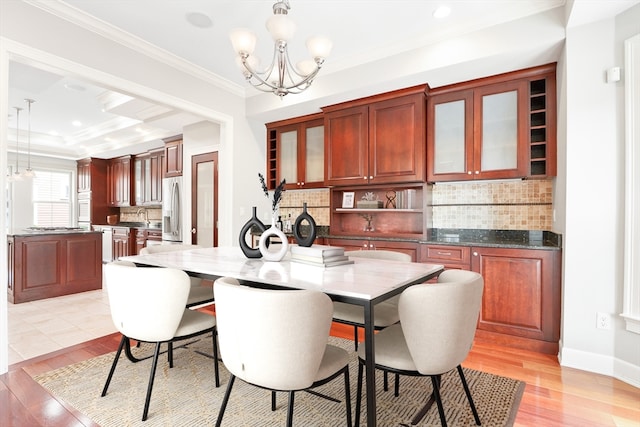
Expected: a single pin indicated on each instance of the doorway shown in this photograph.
(204, 201)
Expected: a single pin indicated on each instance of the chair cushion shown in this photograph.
(385, 314)
(193, 322)
(334, 359)
(391, 349)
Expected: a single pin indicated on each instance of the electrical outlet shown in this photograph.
(603, 321)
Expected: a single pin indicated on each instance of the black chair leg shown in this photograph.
(468, 393)
(273, 400)
(113, 365)
(292, 395)
(396, 388)
(347, 396)
(170, 354)
(152, 375)
(215, 358)
(359, 394)
(225, 400)
(435, 380)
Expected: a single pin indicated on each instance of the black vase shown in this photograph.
(304, 216)
(248, 251)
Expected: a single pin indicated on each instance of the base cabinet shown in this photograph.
(373, 244)
(123, 244)
(521, 299)
(51, 265)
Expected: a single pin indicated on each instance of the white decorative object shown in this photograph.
(271, 254)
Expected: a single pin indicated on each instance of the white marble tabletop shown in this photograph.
(366, 279)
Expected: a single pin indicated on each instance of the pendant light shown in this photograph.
(16, 176)
(29, 173)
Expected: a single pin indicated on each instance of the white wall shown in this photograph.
(593, 240)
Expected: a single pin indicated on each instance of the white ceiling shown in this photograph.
(361, 31)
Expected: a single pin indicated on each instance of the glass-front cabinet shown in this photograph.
(493, 128)
(295, 152)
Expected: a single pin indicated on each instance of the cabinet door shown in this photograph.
(155, 175)
(120, 181)
(312, 146)
(121, 242)
(500, 131)
(450, 136)
(521, 292)
(346, 150)
(139, 182)
(397, 140)
(288, 156)
(173, 158)
(84, 176)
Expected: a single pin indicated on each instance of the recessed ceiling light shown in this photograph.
(75, 86)
(76, 123)
(199, 20)
(442, 12)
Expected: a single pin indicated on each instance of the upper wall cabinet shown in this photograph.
(173, 156)
(497, 127)
(376, 140)
(295, 152)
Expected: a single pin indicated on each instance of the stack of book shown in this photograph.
(319, 255)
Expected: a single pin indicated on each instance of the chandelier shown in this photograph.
(28, 173)
(281, 77)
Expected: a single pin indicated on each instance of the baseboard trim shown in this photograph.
(600, 364)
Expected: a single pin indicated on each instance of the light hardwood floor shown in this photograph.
(554, 396)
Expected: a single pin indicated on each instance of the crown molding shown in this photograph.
(77, 17)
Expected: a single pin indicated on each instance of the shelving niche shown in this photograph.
(385, 222)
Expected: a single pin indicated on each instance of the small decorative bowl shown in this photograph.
(112, 219)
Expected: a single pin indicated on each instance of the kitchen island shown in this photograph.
(50, 262)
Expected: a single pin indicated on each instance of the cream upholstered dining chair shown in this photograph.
(257, 345)
(435, 333)
(149, 305)
(198, 294)
(385, 313)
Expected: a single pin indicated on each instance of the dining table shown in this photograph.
(366, 283)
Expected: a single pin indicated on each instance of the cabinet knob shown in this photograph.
(193, 231)
(469, 173)
(371, 177)
(475, 254)
(302, 183)
(477, 172)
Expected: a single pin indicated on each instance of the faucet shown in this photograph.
(146, 215)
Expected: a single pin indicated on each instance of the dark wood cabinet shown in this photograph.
(148, 174)
(140, 239)
(521, 299)
(93, 190)
(51, 265)
(123, 242)
(376, 140)
(119, 178)
(295, 152)
(497, 127)
(173, 156)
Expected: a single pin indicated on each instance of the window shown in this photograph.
(52, 199)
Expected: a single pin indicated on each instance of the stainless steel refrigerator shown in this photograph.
(172, 209)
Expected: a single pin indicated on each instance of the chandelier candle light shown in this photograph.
(281, 77)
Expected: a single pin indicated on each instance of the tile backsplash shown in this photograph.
(498, 205)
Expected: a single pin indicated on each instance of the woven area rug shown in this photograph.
(186, 395)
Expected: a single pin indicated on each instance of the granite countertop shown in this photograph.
(522, 239)
(41, 231)
(151, 226)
